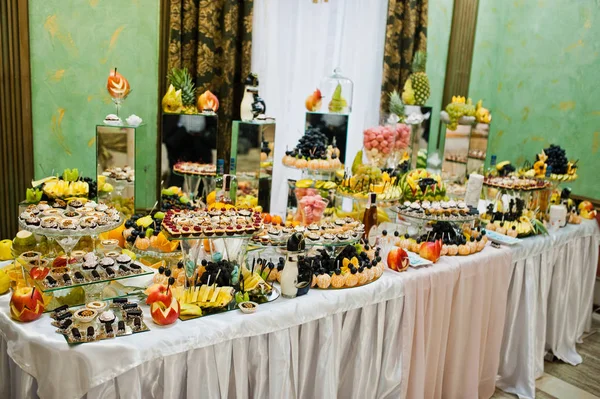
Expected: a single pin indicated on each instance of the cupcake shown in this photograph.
(33, 221)
(123, 259)
(107, 262)
(107, 317)
(323, 281)
(337, 279)
(75, 205)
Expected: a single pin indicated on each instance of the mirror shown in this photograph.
(252, 146)
(335, 126)
(189, 138)
(115, 162)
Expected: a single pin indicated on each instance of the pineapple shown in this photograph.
(182, 80)
(418, 80)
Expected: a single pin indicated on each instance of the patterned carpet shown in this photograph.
(562, 380)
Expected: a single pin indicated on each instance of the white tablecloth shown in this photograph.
(549, 303)
(422, 334)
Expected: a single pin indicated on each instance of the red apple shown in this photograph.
(163, 314)
(431, 250)
(39, 272)
(26, 304)
(586, 210)
(158, 292)
(397, 260)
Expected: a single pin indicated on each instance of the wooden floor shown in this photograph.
(563, 381)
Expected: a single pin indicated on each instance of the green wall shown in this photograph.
(438, 36)
(537, 66)
(74, 45)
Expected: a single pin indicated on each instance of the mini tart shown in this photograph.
(33, 221)
(71, 214)
(78, 255)
(89, 222)
(68, 224)
(98, 306)
(314, 237)
(101, 207)
(85, 315)
(41, 207)
(107, 317)
(26, 215)
(75, 204)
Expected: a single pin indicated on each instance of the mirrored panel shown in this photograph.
(335, 126)
(115, 166)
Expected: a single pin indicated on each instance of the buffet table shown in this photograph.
(427, 333)
(549, 303)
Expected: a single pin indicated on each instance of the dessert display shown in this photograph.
(90, 269)
(212, 223)
(194, 168)
(512, 222)
(74, 217)
(355, 265)
(326, 233)
(515, 183)
(552, 164)
(88, 324)
(421, 185)
(120, 174)
(313, 152)
(438, 210)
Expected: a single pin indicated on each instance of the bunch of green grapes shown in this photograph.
(368, 174)
(455, 111)
(469, 108)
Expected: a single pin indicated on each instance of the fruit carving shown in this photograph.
(117, 85)
(182, 81)
(313, 102)
(207, 101)
(397, 259)
(431, 250)
(586, 209)
(164, 308)
(416, 89)
(419, 184)
(338, 103)
(172, 102)
(482, 114)
(26, 304)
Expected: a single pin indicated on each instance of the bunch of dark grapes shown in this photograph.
(140, 231)
(93, 187)
(313, 144)
(557, 159)
(172, 202)
(212, 269)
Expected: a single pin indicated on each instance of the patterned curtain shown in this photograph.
(405, 34)
(213, 40)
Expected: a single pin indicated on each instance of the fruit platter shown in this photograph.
(354, 266)
(443, 239)
(99, 320)
(194, 168)
(453, 211)
(144, 236)
(314, 153)
(552, 164)
(367, 178)
(513, 222)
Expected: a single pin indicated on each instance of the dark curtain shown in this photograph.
(405, 34)
(213, 40)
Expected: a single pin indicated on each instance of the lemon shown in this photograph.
(128, 252)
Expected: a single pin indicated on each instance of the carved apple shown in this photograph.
(586, 210)
(313, 102)
(26, 304)
(163, 314)
(158, 293)
(207, 101)
(117, 85)
(431, 250)
(397, 260)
